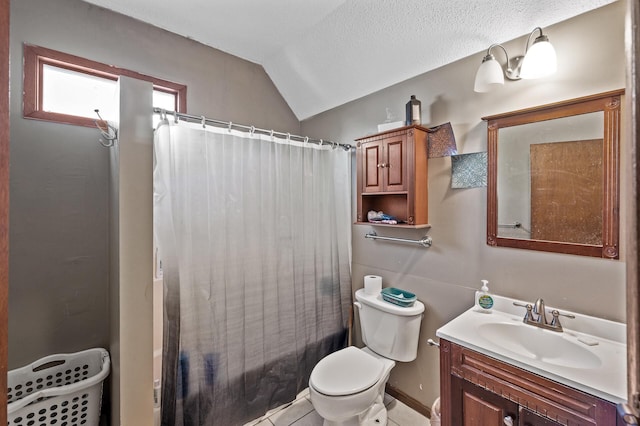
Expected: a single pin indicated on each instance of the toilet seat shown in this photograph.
(345, 372)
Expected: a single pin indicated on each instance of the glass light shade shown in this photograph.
(488, 76)
(540, 60)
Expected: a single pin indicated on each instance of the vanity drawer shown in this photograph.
(539, 395)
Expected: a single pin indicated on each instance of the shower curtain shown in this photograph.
(254, 236)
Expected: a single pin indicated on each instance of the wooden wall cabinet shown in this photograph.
(479, 390)
(391, 172)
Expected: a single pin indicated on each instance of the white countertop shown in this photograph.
(605, 377)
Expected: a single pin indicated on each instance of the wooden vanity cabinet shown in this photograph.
(529, 418)
(474, 406)
(391, 170)
(479, 390)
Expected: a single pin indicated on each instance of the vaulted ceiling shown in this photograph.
(323, 53)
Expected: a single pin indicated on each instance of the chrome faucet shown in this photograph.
(538, 309)
(536, 316)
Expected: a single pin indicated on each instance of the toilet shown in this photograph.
(347, 386)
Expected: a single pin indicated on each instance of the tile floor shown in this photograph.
(301, 413)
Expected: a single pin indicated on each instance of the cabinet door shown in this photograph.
(474, 406)
(395, 165)
(372, 166)
(529, 418)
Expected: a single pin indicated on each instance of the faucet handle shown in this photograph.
(555, 322)
(562, 314)
(528, 317)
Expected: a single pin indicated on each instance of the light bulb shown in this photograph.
(489, 75)
(540, 60)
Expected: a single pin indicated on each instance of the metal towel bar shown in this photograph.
(425, 241)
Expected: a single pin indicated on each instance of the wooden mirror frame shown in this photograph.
(610, 104)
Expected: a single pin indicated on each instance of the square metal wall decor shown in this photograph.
(442, 141)
(469, 170)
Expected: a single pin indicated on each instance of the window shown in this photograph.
(76, 93)
(67, 89)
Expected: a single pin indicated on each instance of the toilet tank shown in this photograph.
(389, 330)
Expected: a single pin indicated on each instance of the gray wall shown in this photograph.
(59, 182)
(591, 60)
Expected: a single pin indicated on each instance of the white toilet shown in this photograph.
(347, 386)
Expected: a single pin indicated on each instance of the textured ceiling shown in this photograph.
(323, 53)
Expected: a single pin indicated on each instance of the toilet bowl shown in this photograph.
(347, 387)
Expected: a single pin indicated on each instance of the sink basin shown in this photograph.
(546, 346)
(566, 357)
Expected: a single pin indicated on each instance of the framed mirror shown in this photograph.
(553, 179)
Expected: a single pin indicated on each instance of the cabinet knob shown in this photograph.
(382, 165)
(508, 421)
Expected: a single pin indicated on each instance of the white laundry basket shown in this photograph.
(58, 390)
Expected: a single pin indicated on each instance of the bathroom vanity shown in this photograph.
(496, 370)
(481, 390)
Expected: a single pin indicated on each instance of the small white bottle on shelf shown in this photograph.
(484, 300)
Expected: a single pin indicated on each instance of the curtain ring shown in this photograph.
(306, 139)
(175, 117)
(271, 134)
(252, 130)
(229, 128)
(204, 126)
(288, 137)
(335, 144)
(321, 142)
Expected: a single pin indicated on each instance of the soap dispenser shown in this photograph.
(484, 300)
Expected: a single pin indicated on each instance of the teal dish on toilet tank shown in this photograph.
(398, 297)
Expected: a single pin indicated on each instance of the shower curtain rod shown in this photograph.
(251, 129)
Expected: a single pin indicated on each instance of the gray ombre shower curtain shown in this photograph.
(254, 235)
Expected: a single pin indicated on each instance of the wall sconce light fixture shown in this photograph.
(539, 60)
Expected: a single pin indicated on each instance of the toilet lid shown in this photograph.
(346, 372)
